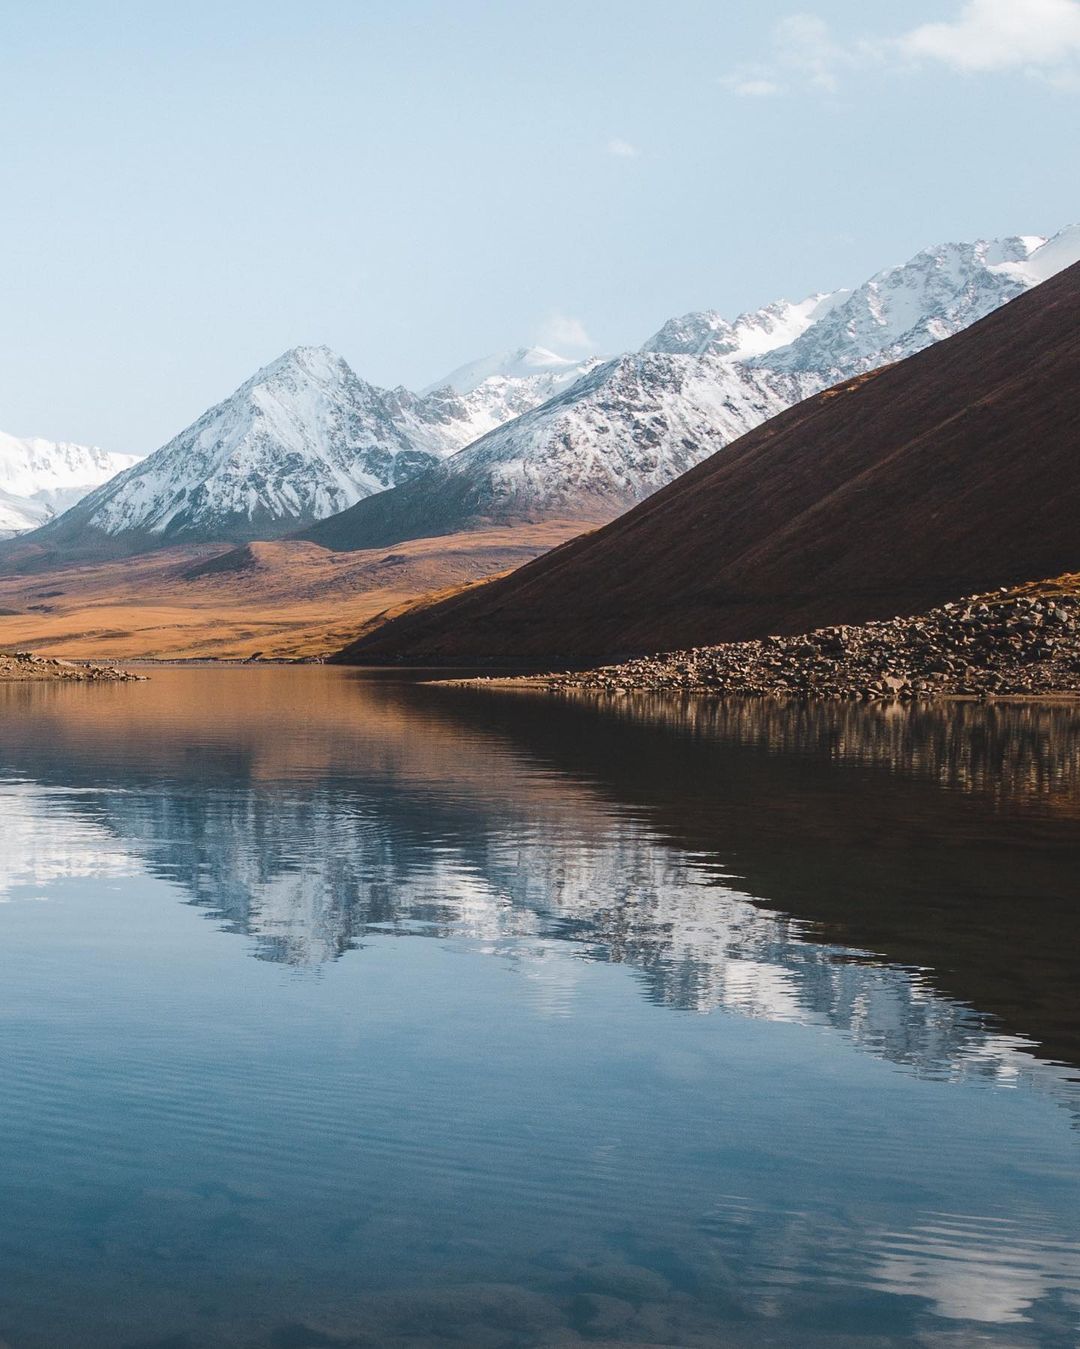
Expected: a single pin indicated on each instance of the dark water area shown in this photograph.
(343, 1010)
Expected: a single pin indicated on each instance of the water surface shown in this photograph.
(339, 1010)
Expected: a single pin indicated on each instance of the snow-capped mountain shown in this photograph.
(302, 439)
(490, 392)
(901, 310)
(615, 436)
(631, 425)
(526, 363)
(524, 435)
(41, 478)
(749, 335)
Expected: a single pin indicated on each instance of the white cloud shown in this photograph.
(805, 48)
(622, 149)
(804, 56)
(566, 332)
(1034, 35)
(750, 86)
(1037, 37)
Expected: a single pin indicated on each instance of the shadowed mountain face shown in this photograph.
(633, 425)
(758, 852)
(955, 470)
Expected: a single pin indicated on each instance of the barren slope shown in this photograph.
(951, 472)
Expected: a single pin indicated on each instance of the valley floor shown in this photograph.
(281, 601)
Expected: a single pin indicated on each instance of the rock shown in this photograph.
(1007, 642)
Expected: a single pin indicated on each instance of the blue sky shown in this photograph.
(191, 189)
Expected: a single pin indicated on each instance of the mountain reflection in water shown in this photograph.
(906, 877)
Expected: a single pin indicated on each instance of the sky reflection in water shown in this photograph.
(645, 1023)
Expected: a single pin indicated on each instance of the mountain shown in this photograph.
(951, 472)
(615, 436)
(632, 425)
(902, 310)
(304, 438)
(41, 478)
(749, 335)
(487, 393)
(526, 363)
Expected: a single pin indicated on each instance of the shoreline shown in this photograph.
(23, 667)
(1012, 645)
(569, 687)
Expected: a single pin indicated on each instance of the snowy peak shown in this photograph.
(302, 439)
(897, 312)
(40, 478)
(523, 363)
(1044, 258)
(626, 427)
(903, 309)
(751, 334)
(319, 365)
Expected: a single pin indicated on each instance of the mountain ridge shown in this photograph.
(888, 493)
(301, 439)
(41, 478)
(634, 424)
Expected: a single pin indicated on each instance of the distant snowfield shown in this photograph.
(40, 479)
(306, 438)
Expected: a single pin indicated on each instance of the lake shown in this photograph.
(337, 1009)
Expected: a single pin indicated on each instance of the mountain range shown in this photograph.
(40, 479)
(305, 437)
(308, 448)
(637, 423)
(952, 471)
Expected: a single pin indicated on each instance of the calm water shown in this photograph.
(336, 1010)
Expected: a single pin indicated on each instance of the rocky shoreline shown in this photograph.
(25, 667)
(1021, 642)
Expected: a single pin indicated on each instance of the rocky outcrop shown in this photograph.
(23, 666)
(1021, 642)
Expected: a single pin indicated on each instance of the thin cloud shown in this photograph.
(750, 86)
(1036, 37)
(804, 56)
(565, 331)
(1040, 36)
(622, 149)
(804, 47)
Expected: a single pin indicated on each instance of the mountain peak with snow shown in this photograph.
(520, 363)
(305, 438)
(631, 425)
(301, 439)
(40, 478)
(320, 363)
(904, 308)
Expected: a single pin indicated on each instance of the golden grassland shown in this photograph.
(283, 600)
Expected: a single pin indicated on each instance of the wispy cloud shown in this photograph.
(751, 86)
(803, 55)
(1037, 37)
(622, 149)
(565, 332)
(806, 50)
(1040, 36)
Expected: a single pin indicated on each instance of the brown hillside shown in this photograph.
(281, 599)
(951, 472)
